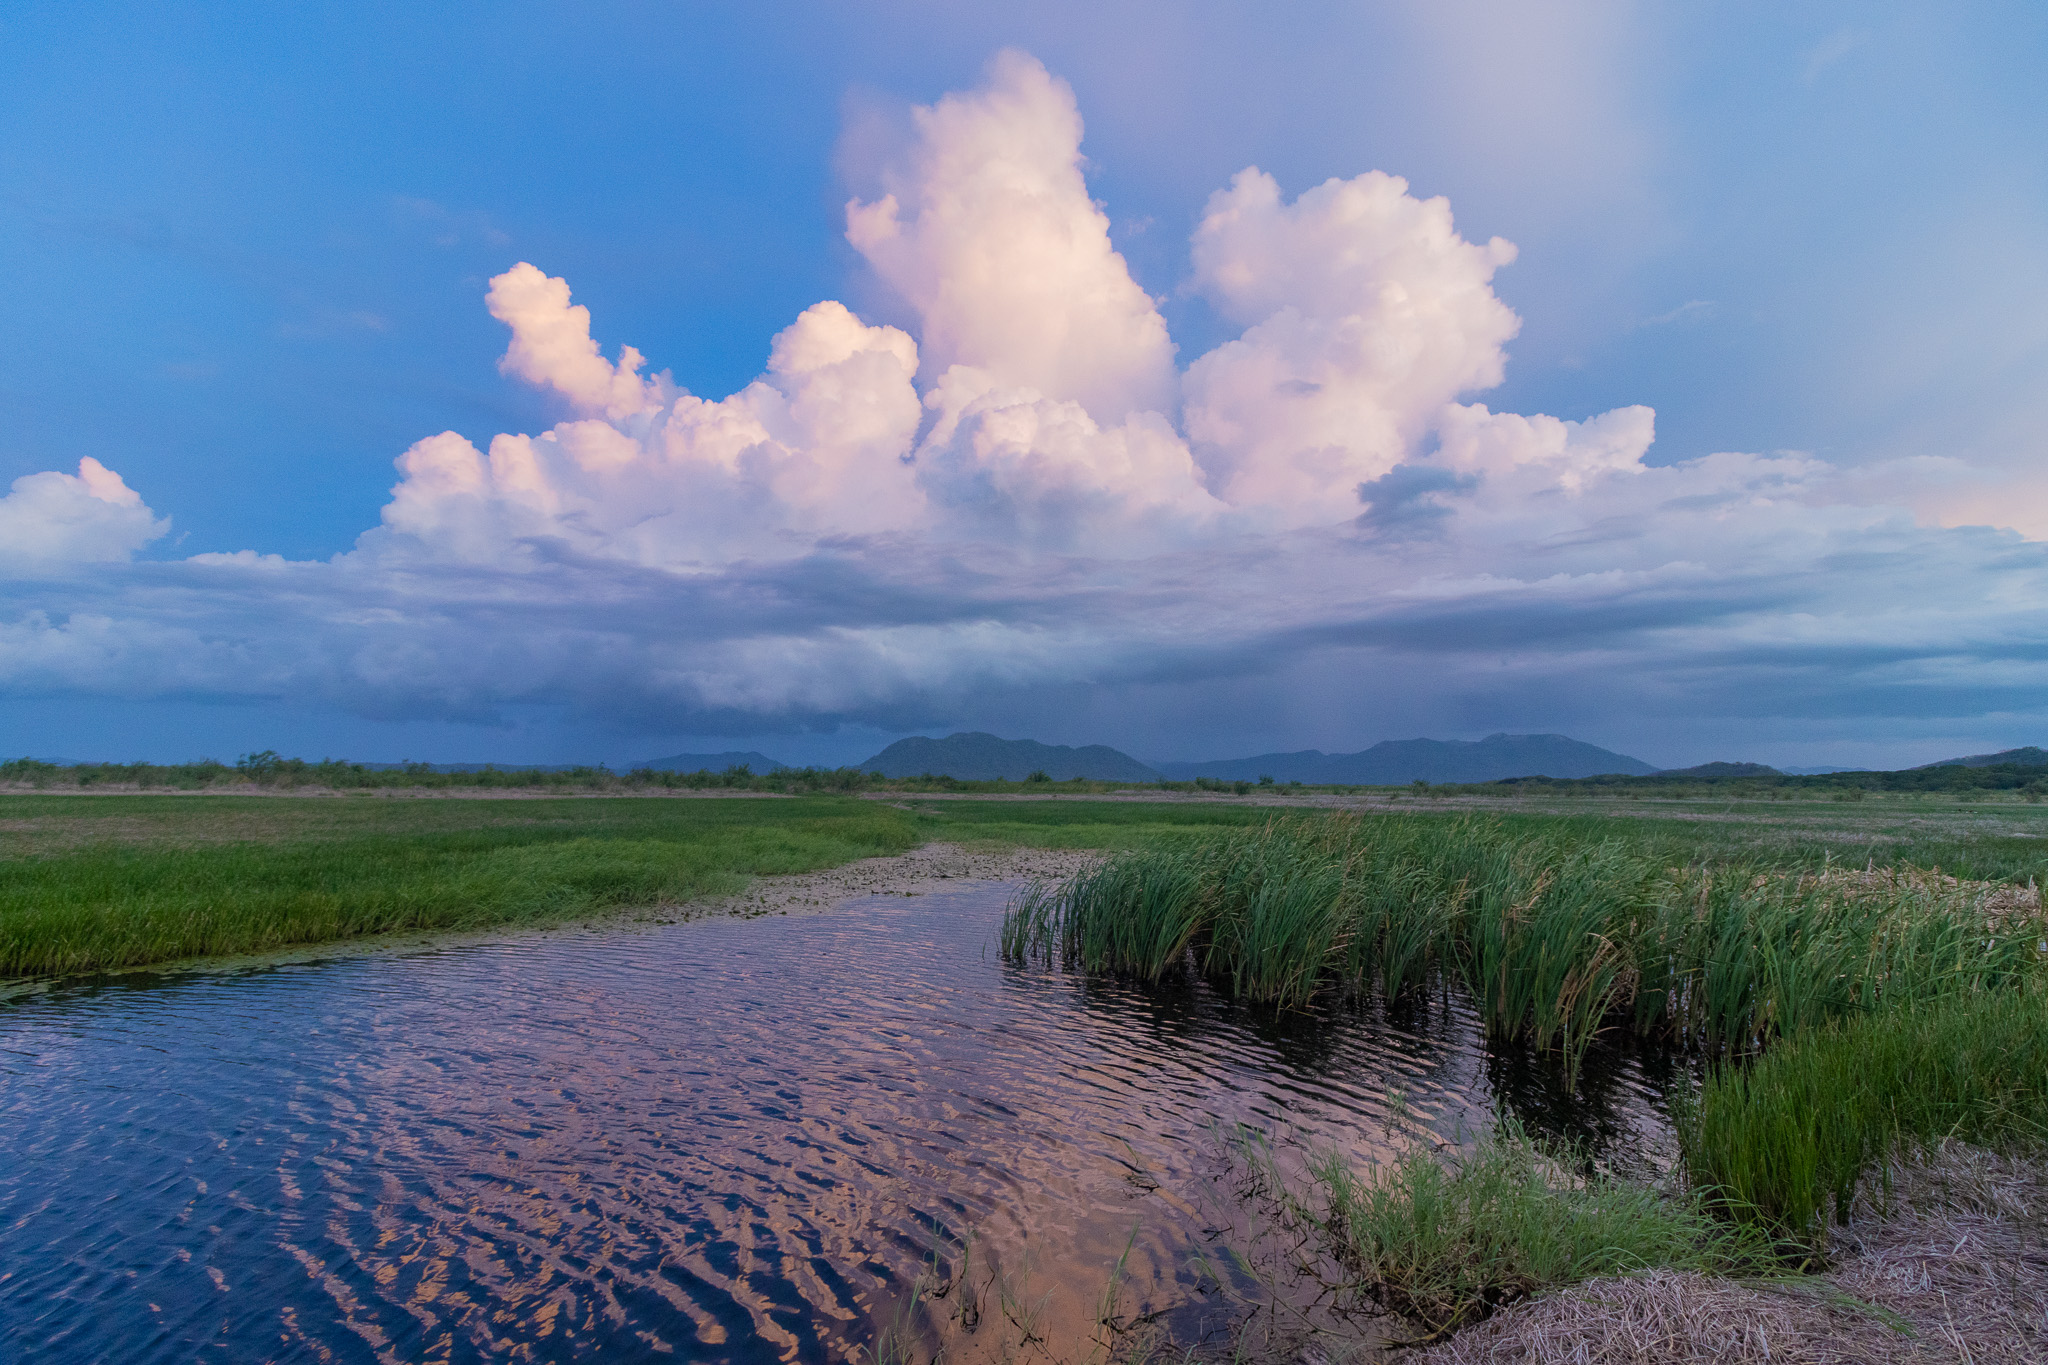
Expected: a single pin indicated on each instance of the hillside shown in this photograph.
(2032, 756)
(1395, 762)
(1724, 770)
(978, 757)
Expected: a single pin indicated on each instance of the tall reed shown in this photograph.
(1553, 937)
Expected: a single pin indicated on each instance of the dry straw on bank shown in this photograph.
(1950, 1266)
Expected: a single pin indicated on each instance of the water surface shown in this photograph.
(741, 1140)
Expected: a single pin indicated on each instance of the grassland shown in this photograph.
(1851, 998)
(91, 880)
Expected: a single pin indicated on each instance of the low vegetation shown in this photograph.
(1844, 1014)
(90, 881)
(1845, 1017)
(202, 887)
(1787, 1139)
(1446, 1242)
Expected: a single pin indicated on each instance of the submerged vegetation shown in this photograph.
(1553, 938)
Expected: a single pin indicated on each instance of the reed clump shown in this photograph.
(1553, 935)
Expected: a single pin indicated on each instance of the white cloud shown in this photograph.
(1030, 468)
(1474, 439)
(551, 345)
(91, 517)
(988, 232)
(1367, 313)
(892, 529)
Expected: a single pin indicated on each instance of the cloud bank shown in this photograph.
(1030, 494)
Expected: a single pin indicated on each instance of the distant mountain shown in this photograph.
(479, 767)
(2030, 757)
(713, 763)
(977, 757)
(1819, 772)
(1724, 770)
(1395, 762)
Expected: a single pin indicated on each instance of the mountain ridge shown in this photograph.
(977, 756)
(713, 763)
(1397, 762)
(2030, 756)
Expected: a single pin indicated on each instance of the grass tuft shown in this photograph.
(1446, 1242)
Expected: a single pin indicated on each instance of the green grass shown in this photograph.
(1555, 929)
(89, 881)
(169, 878)
(1787, 1138)
(1445, 1242)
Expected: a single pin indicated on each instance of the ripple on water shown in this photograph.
(725, 1140)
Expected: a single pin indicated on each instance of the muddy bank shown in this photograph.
(934, 867)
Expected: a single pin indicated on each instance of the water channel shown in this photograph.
(790, 1138)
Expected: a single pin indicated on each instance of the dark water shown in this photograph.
(732, 1140)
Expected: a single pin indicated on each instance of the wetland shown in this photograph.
(568, 1114)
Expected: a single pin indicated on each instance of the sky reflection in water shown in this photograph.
(733, 1140)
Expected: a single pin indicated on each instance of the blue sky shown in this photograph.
(248, 251)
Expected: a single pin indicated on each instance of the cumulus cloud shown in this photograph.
(1367, 313)
(1025, 499)
(988, 232)
(1572, 453)
(819, 445)
(90, 517)
(552, 345)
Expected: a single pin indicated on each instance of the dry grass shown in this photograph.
(1993, 899)
(1950, 1264)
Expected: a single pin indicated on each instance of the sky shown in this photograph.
(566, 383)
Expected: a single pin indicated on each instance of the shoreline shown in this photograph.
(927, 868)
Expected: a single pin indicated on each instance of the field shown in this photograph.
(91, 881)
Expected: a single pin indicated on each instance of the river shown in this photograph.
(816, 1138)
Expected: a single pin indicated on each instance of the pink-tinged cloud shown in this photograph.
(989, 234)
(90, 517)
